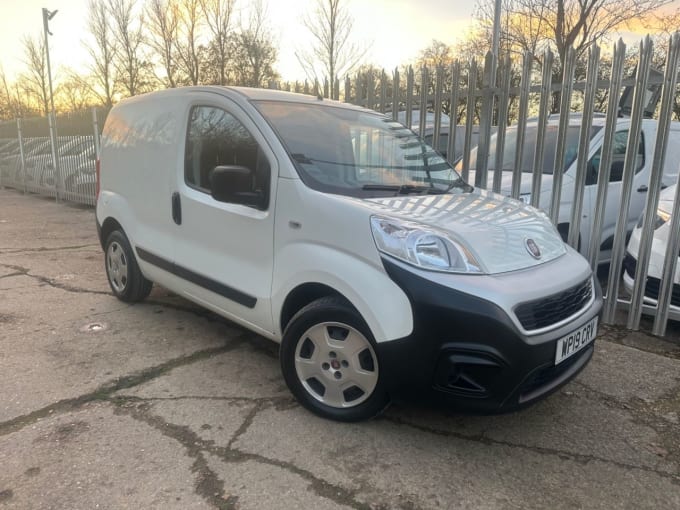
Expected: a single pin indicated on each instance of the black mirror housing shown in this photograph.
(234, 184)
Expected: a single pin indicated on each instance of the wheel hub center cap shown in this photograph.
(335, 364)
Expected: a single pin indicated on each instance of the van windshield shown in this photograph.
(357, 152)
(529, 149)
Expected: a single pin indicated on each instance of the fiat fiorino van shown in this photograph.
(338, 233)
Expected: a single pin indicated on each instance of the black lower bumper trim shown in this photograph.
(466, 353)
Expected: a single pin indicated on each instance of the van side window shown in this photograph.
(217, 138)
(618, 159)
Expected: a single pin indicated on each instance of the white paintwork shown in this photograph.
(658, 254)
(305, 236)
(334, 246)
(230, 243)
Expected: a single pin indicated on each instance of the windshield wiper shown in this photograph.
(404, 189)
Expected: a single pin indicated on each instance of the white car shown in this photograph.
(662, 227)
(338, 233)
(645, 156)
(76, 155)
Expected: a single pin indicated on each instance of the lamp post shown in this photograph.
(495, 43)
(47, 15)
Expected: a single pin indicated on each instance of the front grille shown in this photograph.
(653, 286)
(550, 310)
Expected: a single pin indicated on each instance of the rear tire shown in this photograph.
(329, 362)
(122, 271)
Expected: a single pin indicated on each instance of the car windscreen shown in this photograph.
(356, 152)
(529, 149)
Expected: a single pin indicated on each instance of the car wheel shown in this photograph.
(329, 362)
(122, 271)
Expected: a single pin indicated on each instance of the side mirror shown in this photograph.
(234, 184)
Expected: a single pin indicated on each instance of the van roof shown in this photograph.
(249, 94)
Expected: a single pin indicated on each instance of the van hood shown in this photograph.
(525, 184)
(500, 232)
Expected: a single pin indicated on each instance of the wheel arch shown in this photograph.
(304, 273)
(304, 294)
(109, 225)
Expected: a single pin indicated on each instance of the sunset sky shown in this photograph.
(395, 30)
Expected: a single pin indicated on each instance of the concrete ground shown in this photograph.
(164, 405)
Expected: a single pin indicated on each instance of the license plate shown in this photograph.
(575, 341)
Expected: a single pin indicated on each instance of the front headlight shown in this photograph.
(661, 218)
(422, 247)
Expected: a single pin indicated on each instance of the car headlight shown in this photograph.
(661, 218)
(422, 247)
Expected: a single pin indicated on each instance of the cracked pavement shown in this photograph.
(165, 405)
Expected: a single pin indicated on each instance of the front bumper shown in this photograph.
(467, 353)
(652, 287)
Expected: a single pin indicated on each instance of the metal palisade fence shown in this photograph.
(28, 162)
(596, 172)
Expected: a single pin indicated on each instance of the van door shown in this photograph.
(225, 250)
(637, 200)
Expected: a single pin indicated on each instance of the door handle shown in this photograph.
(643, 189)
(176, 208)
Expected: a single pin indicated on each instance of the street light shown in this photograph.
(47, 15)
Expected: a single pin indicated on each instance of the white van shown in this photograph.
(335, 231)
(643, 166)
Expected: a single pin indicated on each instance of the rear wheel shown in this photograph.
(329, 362)
(125, 278)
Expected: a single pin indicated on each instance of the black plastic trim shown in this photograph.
(202, 281)
(176, 208)
(466, 353)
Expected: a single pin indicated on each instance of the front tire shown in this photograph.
(125, 278)
(329, 362)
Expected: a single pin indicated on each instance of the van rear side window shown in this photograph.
(217, 138)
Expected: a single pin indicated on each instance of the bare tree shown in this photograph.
(102, 53)
(36, 79)
(74, 93)
(332, 50)
(8, 108)
(437, 54)
(530, 25)
(534, 25)
(163, 17)
(128, 23)
(253, 53)
(188, 44)
(218, 15)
